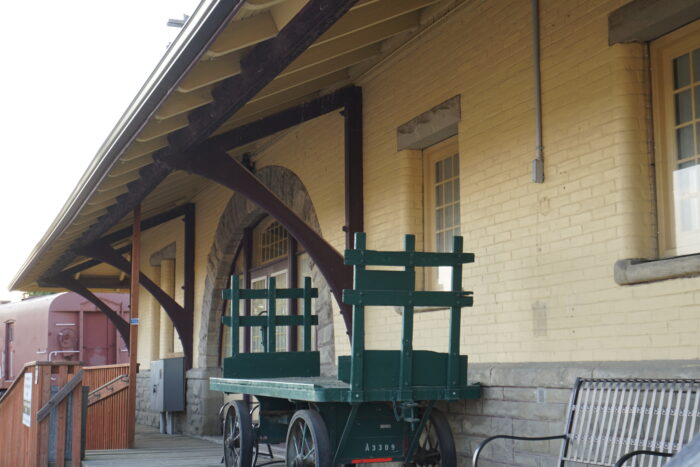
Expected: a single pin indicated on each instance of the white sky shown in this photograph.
(70, 69)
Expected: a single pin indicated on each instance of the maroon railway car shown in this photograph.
(62, 326)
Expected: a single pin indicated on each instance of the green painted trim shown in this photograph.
(359, 257)
(261, 294)
(272, 365)
(260, 321)
(313, 391)
(407, 298)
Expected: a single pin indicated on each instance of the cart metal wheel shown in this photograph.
(308, 444)
(436, 446)
(238, 435)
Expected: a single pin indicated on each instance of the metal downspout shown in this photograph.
(538, 162)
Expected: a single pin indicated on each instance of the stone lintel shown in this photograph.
(430, 127)
(646, 20)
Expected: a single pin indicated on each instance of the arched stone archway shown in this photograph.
(239, 214)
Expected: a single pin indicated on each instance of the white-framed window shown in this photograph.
(442, 205)
(675, 65)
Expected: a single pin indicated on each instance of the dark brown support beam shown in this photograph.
(282, 120)
(259, 67)
(182, 320)
(153, 221)
(220, 168)
(150, 177)
(68, 282)
(92, 262)
(126, 232)
(354, 184)
(135, 288)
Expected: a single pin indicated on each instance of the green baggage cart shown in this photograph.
(380, 408)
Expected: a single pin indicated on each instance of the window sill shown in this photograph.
(640, 271)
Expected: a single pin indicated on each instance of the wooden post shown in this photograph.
(134, 320)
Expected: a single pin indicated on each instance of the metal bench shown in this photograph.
(613, 421)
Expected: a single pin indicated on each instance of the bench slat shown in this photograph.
(611, 417)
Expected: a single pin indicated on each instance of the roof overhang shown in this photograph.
(207, 68)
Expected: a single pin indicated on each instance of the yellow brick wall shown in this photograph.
(543, 279)
(152, 241)
(549, 246)
(539, 247)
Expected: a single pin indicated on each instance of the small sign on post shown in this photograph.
(27, 404)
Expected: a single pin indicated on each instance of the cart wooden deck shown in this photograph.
(330, 389)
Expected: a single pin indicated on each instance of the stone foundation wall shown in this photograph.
(202, 416)
(527, 399)
(144, 414)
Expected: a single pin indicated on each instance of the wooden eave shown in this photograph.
(356, 41)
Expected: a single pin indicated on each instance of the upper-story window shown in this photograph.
(274, 242)
(676, 86)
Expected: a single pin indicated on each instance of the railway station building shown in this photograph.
(561, 139)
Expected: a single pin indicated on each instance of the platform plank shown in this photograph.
(153, 449)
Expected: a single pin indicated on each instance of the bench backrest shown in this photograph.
(611, 417)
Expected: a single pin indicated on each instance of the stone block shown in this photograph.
(520, 394)
(527, 410)
(476, 425)
(492, 392)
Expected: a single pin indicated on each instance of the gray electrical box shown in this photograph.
(168, 385)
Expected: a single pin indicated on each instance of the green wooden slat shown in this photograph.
(271, 316)
(406, 368)
(280, 320)
(407, 298)
(251, 294)
(402, 258)
(386, 280)
(358, 331)
(235, 315)
(455, 322)
(307, 318)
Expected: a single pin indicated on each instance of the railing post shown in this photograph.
(43, 395)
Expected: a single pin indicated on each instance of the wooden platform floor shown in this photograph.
(153, 449)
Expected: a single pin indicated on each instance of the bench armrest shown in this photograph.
(481, 446)
(620, 462)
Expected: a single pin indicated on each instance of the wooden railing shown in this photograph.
(107, 413)
(41, 416)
